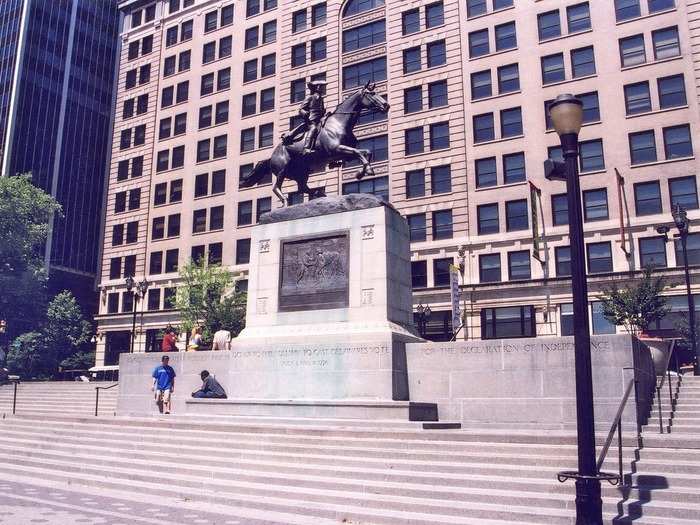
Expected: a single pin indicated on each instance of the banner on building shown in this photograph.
(455, 296)
(534, 220)
(620, 183)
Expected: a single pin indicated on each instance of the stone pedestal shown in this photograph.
(328, 317)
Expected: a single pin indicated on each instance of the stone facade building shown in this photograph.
(207, 86)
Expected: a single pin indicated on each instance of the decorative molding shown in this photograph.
(265, 246)
(364, 55)
(367, 296)
(368, 232)
(261, 306)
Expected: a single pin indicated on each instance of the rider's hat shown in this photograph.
(316, 83)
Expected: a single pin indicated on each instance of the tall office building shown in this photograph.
(57, 72)
(206, 87)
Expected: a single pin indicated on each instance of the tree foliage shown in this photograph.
(62, 340)
(636, 306)
(25, 212)
(206, 299)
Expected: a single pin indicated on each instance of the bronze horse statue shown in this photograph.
(334, 144)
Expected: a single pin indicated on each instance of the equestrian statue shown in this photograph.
(322, 139)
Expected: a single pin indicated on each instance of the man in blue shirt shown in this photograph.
(163, 384)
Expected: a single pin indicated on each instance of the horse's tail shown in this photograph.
(261, 170)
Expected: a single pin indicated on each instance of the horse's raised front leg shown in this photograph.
(361, 156)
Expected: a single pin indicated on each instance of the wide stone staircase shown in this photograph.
(58, 397)
(325, 471)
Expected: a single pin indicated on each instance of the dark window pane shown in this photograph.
(519, 265)
(582, 62)
(672, 91)
(442, 224)
(683, 191)
(642, 147)
(637, 98)
(508, 78)
(517, 215)
(415, 184)
(487, 218)
(490, 268)
(632, 51)
(481, 84)
(478, 43)
(599, 257)
(440, 179)
(514, 168)
(419, 274)
(647, 198)
(485, 172)
(410, 22)
(548, 25)
(652, 252)
(416, 227)
(553, 68)
(677, 143)
(562, 255)
(595, 205)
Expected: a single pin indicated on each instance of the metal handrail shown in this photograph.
(616, 427)
(97, 394)
(15, 381)
(659, 386)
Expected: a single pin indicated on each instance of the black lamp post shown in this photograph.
(139, 292)
(680, 219)
(566, 113)
(424, 313)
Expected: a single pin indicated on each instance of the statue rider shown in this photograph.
(312, 110)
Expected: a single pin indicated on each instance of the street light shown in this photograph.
(680, 219)
(424, 313)
(566, 113)
(139, 292)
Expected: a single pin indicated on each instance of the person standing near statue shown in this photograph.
(163, 384)
(313, 109)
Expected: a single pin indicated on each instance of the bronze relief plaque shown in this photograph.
(314, 273)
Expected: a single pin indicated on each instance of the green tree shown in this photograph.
(25, 212)
(636, 306)
(63, 340)
(206, 298)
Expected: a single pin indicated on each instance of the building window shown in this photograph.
(437, 53)
(378, 186)
(132, 232)
(419, 274)
(578, 17)
(359, 74)
(514, 168)
(299, 20)
(267, 99)
(481, 84)
(582, 62)
(693, 250)
(519, 265)
(485, 170)
(441, 272)
(251, 37)
(414, 141)
(245, 213)
(677, 143)
(505, 36)
(355, 7)
(440, 180)
(171, 260)
(671, 92)
(548, 25)
(595, 205)
(666, 44)
(412, 60)
(242, 251)
(566, 319)
(156, 263)
(364, 36)
(647, 198)
(560, 209)
(413, 99)
(437, 94)
(652, 252)
(637, 98)
(600, 323)
(115, 267)
(158, 228)
(318, 14)
(483, 128)
(266, 137)
(415, 184)
(508, 322)
(417, 227)
(642, 147)
(487, 219)
(562, 257)
(683, 191)
(434, 15)
(379, 146)
(318, 49)
(490, 268)
(476, 7)
(599, 255)
(511, 122)
(591, 156)
(632, 51)
(517, 215)
(508, 78)
(553, 68)
(262, 207)
(439, 136)
(660, 5)
(410, 21)
(626, 9)
(442, 224)
(478, 43)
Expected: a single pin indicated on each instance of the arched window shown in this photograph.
(358, 6)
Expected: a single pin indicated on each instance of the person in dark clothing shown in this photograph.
(210, 387)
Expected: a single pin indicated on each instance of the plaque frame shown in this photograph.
(333, 299)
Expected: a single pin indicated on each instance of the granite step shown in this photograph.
(313, 502)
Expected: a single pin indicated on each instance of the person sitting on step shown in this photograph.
(211, 389)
